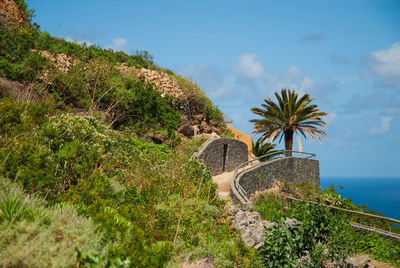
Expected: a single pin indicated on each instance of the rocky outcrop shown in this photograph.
(163, 83)
(250, 224)
(194, 121)
(10, 15)
(61, 61)
(356, 262)
(19, 91)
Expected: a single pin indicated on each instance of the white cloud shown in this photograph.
(383, 127)
(294, 79)
(249, 67)
(71, 38)
(119, 44)
(387, 61)
(256, 76)
(385, 65)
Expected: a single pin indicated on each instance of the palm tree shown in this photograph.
(262, 149)
(288, 116)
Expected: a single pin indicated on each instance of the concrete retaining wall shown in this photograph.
(223, 155)
(291, 169)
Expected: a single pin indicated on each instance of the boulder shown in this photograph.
(156, 138)
(251, 225)
(205, 128)
(291, 223)
(187, 130)
(199, 263)
(356, 262)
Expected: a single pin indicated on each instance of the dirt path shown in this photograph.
(224, 181)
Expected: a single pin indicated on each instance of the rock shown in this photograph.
(247, 238)
(214, 135)
(259, 245)
(217, 130)
(268, 224)
(196, 130)
(204, 127)
(186, 130)
(10, 15)
(359, 262)
(232, 209)
(199, 263)
(304, 261)
(156, 138)
(240, 217)
(251, 225)
(247, 206)
(197, 118)
(290, 223)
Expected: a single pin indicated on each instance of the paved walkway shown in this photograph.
(224, 183)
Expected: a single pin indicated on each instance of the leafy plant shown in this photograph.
(270, 206)
(37, 235)
(279, 247)
(261, 149)
(323, 235)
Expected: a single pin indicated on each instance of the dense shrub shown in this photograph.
(151, 203)
(86, 53)
(143, 108)
(322, 235)
(34, 234)
(18, 61)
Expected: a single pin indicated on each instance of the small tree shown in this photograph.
(260, 148)
(288, 116)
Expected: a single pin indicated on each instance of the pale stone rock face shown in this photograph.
(10, 14)
(250, 224)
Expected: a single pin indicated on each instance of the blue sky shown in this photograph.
(346, 54)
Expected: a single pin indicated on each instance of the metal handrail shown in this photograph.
(359, 225)
(236, 183)
(347, 210)
(242, 192)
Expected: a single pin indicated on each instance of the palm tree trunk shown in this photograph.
(288, 142)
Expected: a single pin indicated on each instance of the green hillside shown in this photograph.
(96, 172)
(82, 182)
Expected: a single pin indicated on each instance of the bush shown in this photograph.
(322, 234)
(143, 108)
(271, 207)
(319, 238)
(379, 248)
(260, 149)
(18, 61)
(36, 235)
(150, 202)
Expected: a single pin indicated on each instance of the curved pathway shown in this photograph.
(224, 184)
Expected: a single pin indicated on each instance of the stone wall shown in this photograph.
(223, 155)
(292, 169)
(240, 136)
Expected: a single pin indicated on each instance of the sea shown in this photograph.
(380, 194)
